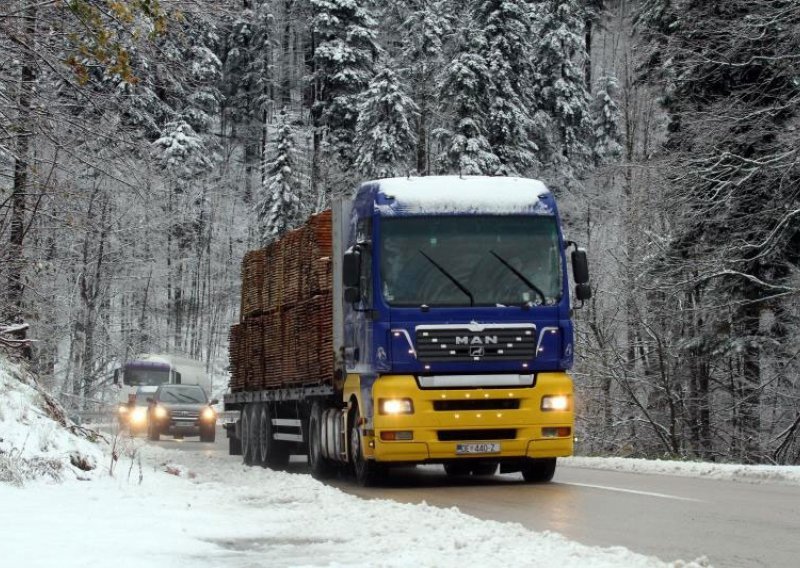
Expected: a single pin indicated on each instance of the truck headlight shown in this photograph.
(139, 415)
(396, 406)
(208, 414)
(160, 412)
(555, 402)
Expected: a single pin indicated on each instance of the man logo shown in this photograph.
(476, 340)
(476, 351)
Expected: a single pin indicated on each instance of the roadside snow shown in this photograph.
(212, 511)
(788, 475)
(33, 442)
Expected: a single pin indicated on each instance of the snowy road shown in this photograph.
(735, 524)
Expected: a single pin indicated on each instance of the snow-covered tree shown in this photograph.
(605, 122)
(344, 57)
(466, 83)
(559, 90)
(384, 137)
(278, 206)
(508, 53)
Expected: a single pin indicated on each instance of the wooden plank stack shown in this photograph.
(285, 334)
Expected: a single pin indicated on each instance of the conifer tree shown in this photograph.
(605, 122)
(278, 206)
(385, 139)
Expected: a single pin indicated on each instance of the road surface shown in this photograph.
(733, 524)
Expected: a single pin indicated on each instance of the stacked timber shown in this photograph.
(284, 337)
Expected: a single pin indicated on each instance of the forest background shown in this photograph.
(146, 144)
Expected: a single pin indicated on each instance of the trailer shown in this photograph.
(425, 320)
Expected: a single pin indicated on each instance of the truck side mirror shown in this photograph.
(351, 275)
(580, 271)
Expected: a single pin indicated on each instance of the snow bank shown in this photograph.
(209, 510)
(36, 439)
(789, 475)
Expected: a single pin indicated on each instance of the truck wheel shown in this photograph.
(367, 472)
(153, 434)
(539, 470)
(320, 466)
(208, 434)
(272, 453)
(234, 446)
(247, 436)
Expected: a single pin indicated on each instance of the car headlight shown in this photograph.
(138, 415)
(160, 412)
(555, 402)
(396, 406)
(208, 413)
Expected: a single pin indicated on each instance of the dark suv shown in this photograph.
(181, 410)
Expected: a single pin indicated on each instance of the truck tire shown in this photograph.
(367, 472)
(153, 434)
(320, 466)
(234, 446)
(539, 470)
(273, 454)
(247, 436)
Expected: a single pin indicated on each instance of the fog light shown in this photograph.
(396, 406)
(555, 402)
(560, 432)
(393, 436)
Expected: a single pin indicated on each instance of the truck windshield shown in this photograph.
(139, 377)
(474, 260)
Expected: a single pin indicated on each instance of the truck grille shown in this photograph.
(492, 344)
(484, 404)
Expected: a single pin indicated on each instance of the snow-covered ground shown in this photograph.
(210, 511)
(789, 475)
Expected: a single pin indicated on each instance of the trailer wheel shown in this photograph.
(367, 472)
(320, 466)
(539, 470)
(247, 436)
(271, 453)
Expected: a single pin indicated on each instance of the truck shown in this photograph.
(424, 320)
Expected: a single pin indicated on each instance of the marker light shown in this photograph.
(396, 406)
(555, 402)
(160, 412)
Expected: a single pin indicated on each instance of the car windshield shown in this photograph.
(139, 376)
(475, 260)
(185, 395)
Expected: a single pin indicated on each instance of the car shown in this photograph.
(133, 414)
(181, 410)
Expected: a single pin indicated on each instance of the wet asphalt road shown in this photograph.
(733, 524)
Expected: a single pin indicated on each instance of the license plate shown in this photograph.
(482, 448)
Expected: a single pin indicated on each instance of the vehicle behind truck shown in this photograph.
(425, 320)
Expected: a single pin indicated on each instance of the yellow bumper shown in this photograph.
(444, 418)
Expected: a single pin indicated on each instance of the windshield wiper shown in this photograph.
(521, 276)
(450, 277)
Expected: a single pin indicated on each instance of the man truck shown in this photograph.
(425, 320)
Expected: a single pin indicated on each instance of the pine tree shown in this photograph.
(605, 122)
(508, 53)
(559, 90)
(466, 84)
(343, 58)
(278, 207)
(385, 140)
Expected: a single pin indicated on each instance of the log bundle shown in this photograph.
(285, 334)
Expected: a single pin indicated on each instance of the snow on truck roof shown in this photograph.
(455, 194)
